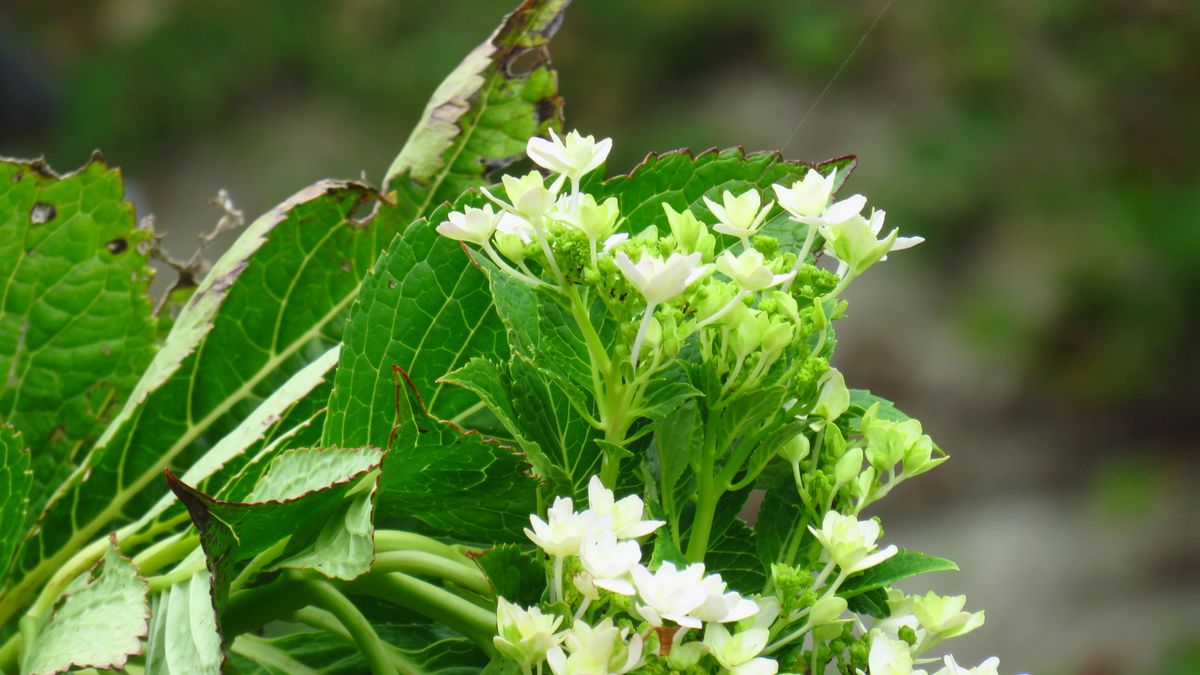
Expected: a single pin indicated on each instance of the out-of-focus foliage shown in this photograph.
(1050, 139)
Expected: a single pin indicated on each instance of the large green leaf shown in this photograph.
(276, 301)
(99, 622)
(516, 575)
(184, 639)
(481, 116)
(305, 497)
(458, 483)
(15, 480)
(75, 327)
(682, 179)
(424, 308)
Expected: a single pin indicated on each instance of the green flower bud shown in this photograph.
(827, 610)
(863, 484)
(918, 455)
(686, 655)
(511, 246)
(778, 335)
(827, 632)
(690, 234)
(786, 305)
(848, 467)
(907, 634)
(748, 334)
(795, 450)
(834, 398)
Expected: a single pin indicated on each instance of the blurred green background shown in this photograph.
(1047, 332)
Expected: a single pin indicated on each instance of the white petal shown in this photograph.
(840, 212)
(619, 586)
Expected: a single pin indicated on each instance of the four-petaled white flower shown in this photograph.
(575, 157)
(473, 225)
(739, 654)
(722, 606)
(850, 542)
(598, 650)
(806, 198)
(890, 657)
(623, 517)
(944, 615)
(739, 216)
(528, 195)
(525, 635)
(609, 562)
(661, 280)
(748, 271)
(670, 593)
(563, 534)
(988, 667)
(855, 240)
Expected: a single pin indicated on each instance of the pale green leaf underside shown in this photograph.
(75, 328)
(100, 623)
(184, 639)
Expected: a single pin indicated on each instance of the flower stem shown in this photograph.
(641, 335)
(420, 562)
(372, 648)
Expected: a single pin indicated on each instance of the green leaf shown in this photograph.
(458, 483)
(481, 116)
(872, 603)
(543, 331)
(779, 515)
(903, 565)
(669, 389)
(15, 481)
(732, 554)
(184, 637)
(861, 399)
(425, 308)
(75, 326)
(276, 301)
(99, 622)
(681, 179)
(545, 414)
(298, 496)
(516, 576)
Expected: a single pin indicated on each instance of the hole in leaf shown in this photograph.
(41, 213)
(523, 62)
(117, 246)
(391, 283)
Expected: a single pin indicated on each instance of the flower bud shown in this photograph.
(690, 234)
(827, 610)
(795, 450)
(834, 398)
(848, 467)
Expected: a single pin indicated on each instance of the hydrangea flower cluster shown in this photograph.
(615, 615)
(728, 292)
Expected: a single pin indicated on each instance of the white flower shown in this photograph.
(890, 657)
(473, 225)
(943, 615)
(595, 220)
(524, 635)
(528, 195)
(739, 216)
(564, 532)
(855, 240)
(850, 542)
(616, 239)
(806, 198)
(739, 653)
(609, 562)
(988, 667)
(624, 516)
(670, 593)
(596, 651)
(748, 271)
(662, 280)
(574, 158)
(721, 606)
(513, 234)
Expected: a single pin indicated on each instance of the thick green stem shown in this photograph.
(165, 552)
(262, 652)
(373, 649)
(420, 562)
(708, 494)
(254, 608)
(399, 540)
(10, 653)
(322, 620)
(434, 602)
